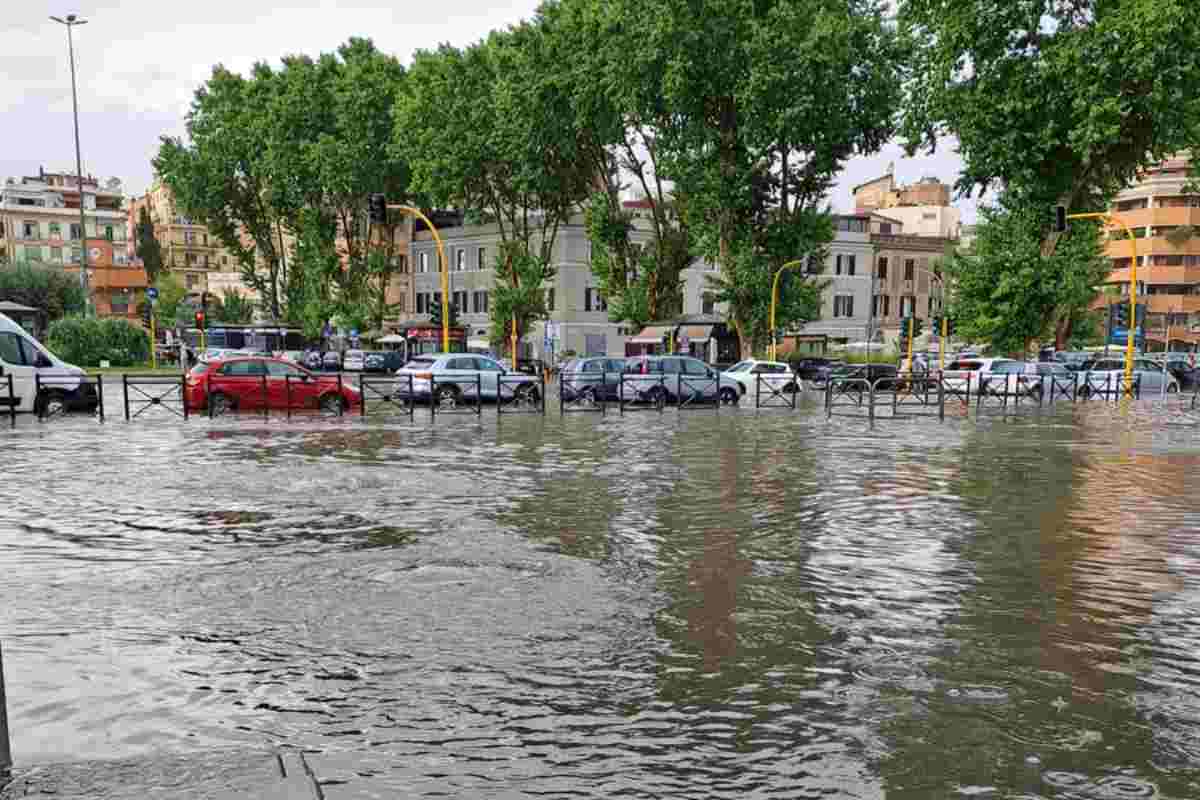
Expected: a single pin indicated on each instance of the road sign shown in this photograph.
(152, 293)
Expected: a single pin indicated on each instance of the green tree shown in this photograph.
(1007, 293)
(88, 341)
(232, 307)
(170, 308)
(753, 108)
(1055, 103)
(148, 248)
(51, 290)
(518, 295)
(484, 131)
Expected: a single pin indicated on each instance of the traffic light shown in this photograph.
(1118, 315)
(200, 320)
(377, 208)
(1060, 219)
(435, 311)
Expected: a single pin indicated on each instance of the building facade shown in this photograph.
(188, 250)
(39, 224)
(578, 313)
(1165, 220)
(923, 208)
(907, 277)
(846, 301)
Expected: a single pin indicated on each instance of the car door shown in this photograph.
(489, 377)
(243, 381)
(463, 371)
(613, 367)
(694, 380)
(17, 359)
(288, 385)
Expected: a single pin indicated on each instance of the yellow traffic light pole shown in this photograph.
(1113, 219)
(774, 301)
(445, 273)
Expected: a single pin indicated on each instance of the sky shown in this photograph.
(140, 61)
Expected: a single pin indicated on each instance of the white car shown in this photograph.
(354, 361)
(775, 374)
(1107, 375)
(997, 375)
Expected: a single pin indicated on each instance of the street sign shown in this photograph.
(152, 293)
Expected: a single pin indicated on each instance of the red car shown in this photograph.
(232, 384)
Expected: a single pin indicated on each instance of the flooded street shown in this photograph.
(717, 605)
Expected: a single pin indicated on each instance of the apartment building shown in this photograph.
(1165, 220)
(907, 277)
(577, 309)
(189, 250)
(846, 302)
(39, 223)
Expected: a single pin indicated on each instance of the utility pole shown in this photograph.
(70, 22)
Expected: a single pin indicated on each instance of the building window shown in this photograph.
(120, 302)
(423, 263)
(189, 259)
(76, 232)
(193, 281)
(883, 305)
(29, 230)
(843, 305)
(593, 300)
(481, 258)
(881, 272)
(459, 299)
(55, 230)
(224, 261)
(401, 305)
(420, 302)
(481, 302)
(76, 255)
(108, 232)
(885, 228)
(549, 299)
(932, 305)
(402, 263)
(908, 305)
(56, 255)
(204, 237)
(189, 237)
(910, 267)
(707, 303)
(460, 260)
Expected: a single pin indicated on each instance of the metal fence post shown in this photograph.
(941, 399)
(265, 400)
(208, 394)
(12, 402)
(39, 407)
(479, 393)
(183, 395)
(125, 390)
(5, 749)
(100, 395)
(871, 403)
(287, 388)
(363, 385)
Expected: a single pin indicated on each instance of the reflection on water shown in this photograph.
(716, 605)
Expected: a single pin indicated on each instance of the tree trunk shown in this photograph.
(1062, 332)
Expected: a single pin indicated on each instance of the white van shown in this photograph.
(23, 357)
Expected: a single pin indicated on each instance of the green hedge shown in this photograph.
(87, 342)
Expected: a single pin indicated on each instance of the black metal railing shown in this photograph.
(12, 401)
(147, 392)
(777, 394)
(455, 395)
(517, 394)
(393, 394)
(843, 393)
(585, 392)
(1063, 388)
(54, 393)
(918, 395)
(695, 391)
(642, 392)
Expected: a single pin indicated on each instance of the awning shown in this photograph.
(652, 334)
(696, 333)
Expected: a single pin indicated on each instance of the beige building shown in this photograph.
(39, 224)
(923, 208)
(907, 278)
(189, 250)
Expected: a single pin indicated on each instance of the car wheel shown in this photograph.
(447, 396)
(332, 404)
(791, 388)
(220, 403)
(1172, 388)
(657, 396)
(729, 397)
(52, 403)
(588, 397)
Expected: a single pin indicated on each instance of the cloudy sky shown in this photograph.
(139, 62)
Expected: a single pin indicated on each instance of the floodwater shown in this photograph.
(705, 604)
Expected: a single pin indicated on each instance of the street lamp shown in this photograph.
(70, 22)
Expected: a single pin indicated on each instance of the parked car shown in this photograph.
(591, 380)
(331, 361)
(449, 379)
(669, 379)
(375, 362)
(1182, 366)
(1072, 360)
(354, 361)
(822, 372)
(971, 373)
(236, 384)
(775, 374)
(1107, 374)
(809, 367)
(856, 377)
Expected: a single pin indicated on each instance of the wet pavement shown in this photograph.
(704, 604)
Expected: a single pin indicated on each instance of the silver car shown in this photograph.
(669, 379)
(1108, 374)
(449, 379)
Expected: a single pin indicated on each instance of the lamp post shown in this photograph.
(70, 22)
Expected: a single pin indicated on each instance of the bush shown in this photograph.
(87, 342)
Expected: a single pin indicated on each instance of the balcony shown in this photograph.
(1159, 216)
(1168, 303)
(1155, 245)
(1158, 274)
(117, 278)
